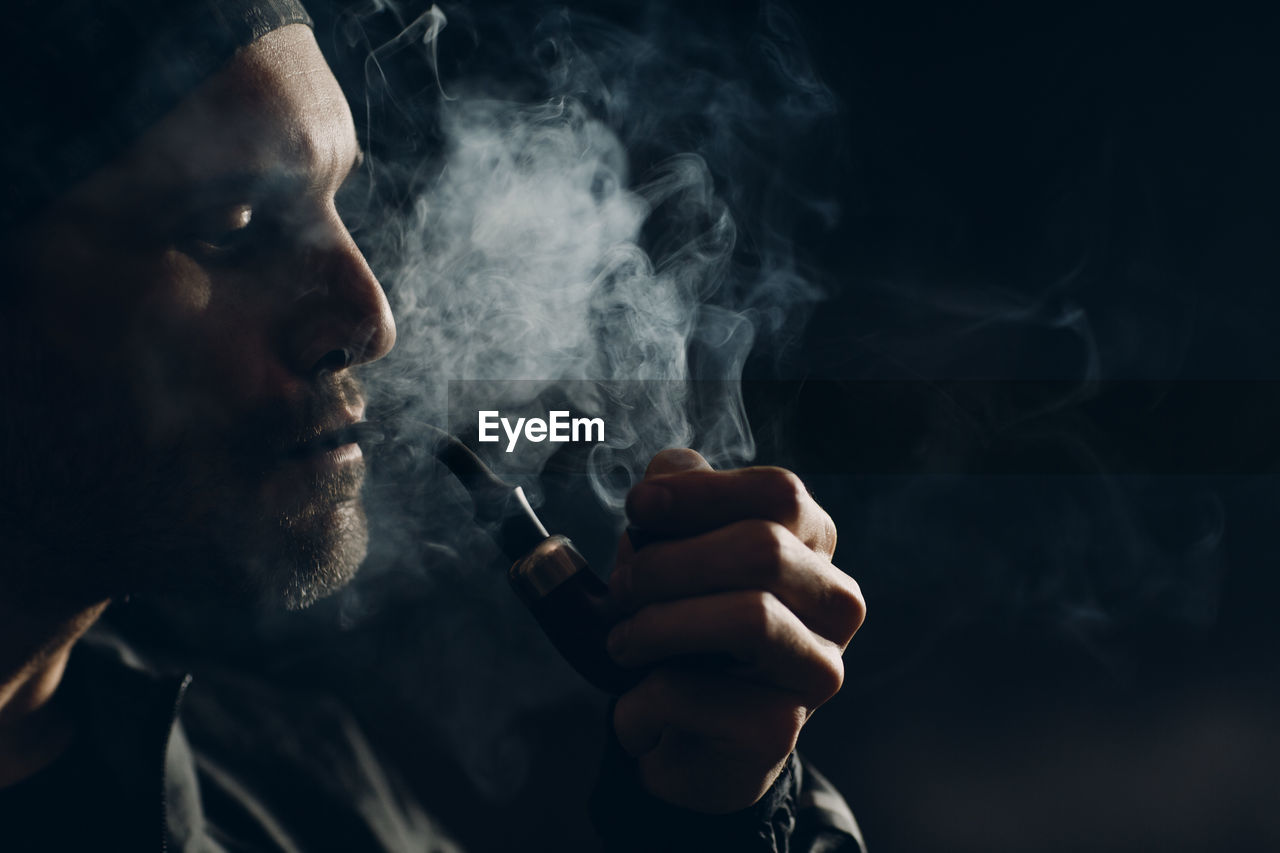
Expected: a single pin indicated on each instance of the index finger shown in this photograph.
(689, 502)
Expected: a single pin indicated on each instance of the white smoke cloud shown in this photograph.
(530, 253)
(602, 210)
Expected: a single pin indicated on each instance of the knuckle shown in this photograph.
(859, 603)
(848, 604)
(830, 676)
(786, 491)
(771, 543)
(759, 614)
(829, 534)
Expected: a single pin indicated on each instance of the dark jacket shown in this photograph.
(165, 763)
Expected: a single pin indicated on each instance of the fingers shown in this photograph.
(670, 461)
(751, 626)
(718, 707)
(705, 743)
(759, 555)
(737, 569)
(690, 501)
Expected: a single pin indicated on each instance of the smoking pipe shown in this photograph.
(549, 574)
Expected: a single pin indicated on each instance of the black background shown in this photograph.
(1070, 578)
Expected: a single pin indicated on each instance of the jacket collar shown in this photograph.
(129, 718)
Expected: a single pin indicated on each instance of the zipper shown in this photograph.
(164, 762)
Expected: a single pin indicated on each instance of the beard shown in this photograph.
(117, 488)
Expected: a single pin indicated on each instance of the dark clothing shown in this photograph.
(162, 762)
(102, 810)
(801, 813)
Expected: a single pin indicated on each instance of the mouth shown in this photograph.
(333, 456)
(349, 439)
(318, 476)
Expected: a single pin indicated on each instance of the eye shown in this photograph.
(221, 233)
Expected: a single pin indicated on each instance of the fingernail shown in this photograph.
(617, 641)
(648, 502)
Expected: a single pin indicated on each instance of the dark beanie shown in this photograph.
(83, 78)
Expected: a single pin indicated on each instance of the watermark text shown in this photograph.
(557, 428)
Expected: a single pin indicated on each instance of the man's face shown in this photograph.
(183, 342)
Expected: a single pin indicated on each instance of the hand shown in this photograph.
(749, 582)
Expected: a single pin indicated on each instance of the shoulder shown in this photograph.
(300, 756)
(254, 764)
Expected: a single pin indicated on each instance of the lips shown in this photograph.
(323, 471)
(362, 433)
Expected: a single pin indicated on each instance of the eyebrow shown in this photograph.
(252, 184)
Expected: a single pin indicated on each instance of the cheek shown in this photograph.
(100, 304)
(175, 347)
(199, 353)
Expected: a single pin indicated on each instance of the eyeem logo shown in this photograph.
(559, 428)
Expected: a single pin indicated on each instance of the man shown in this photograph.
(185, 312)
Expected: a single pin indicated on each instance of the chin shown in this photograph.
(267, 564)
(314, 557)
(306, 540)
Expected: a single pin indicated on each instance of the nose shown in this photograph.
(343, 319)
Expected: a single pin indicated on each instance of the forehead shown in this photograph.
(275, 107)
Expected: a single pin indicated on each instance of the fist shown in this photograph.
(742, 619)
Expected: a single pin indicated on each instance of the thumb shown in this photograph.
(648, 501)
(674, 460)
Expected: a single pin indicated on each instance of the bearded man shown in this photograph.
(185, 313)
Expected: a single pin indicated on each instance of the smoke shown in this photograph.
(529, 268)
(519, 240)
(596, 209)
